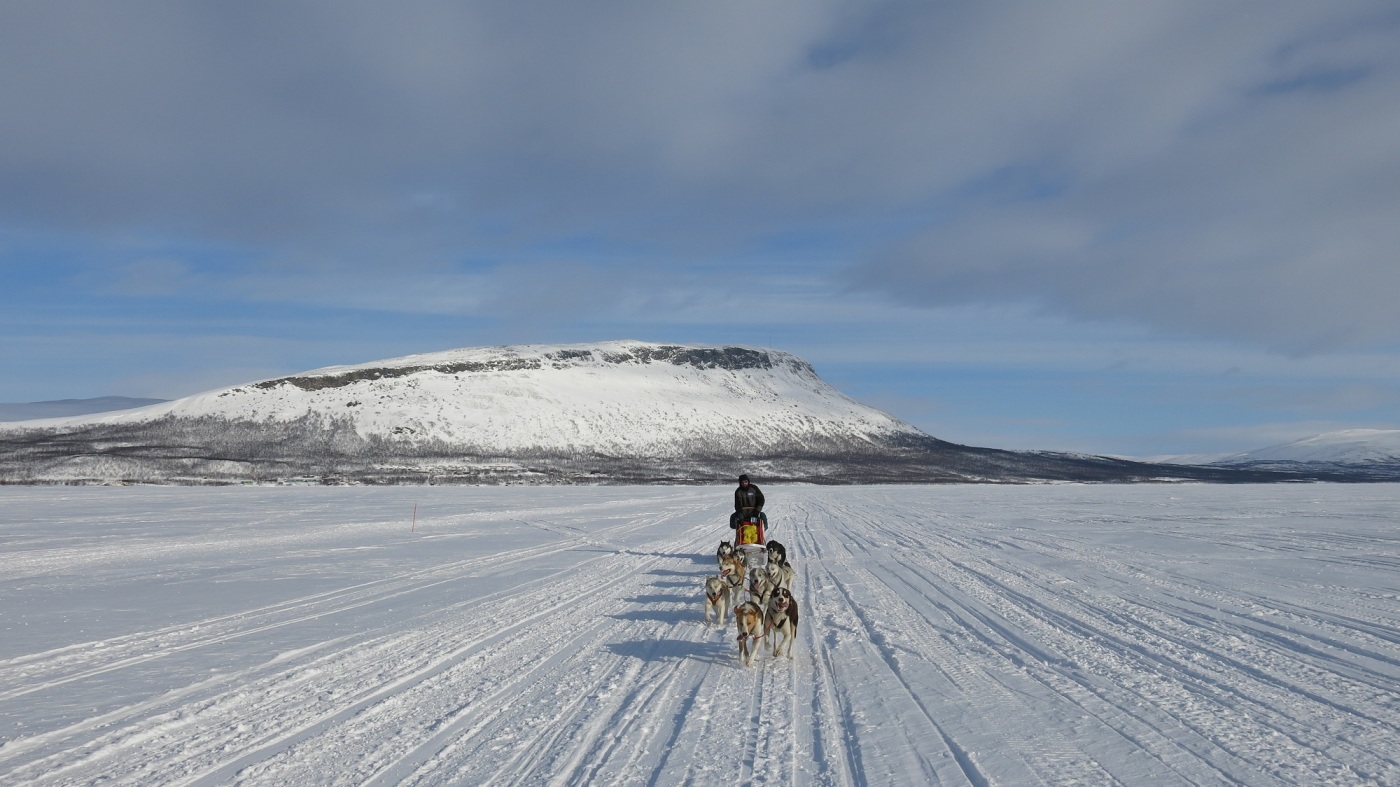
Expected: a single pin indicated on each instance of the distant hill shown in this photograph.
(1359, 453)
(613, 412)
(63, 408)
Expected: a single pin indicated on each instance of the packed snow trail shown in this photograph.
(950, 635)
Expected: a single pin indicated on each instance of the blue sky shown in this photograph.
(1131, 228)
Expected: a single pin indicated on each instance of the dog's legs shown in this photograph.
(767, 624)
(791, 635)
(747, 648)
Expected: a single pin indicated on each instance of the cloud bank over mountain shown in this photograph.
(1201, 168)
(250, 189)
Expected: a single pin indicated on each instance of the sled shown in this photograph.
(749, 532)
(752, 545)
(755, 556)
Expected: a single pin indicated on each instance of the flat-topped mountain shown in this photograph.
(623, 411)
(616, 398)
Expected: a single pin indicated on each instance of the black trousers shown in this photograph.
(734, 519)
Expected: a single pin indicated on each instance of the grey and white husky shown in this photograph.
(726, 549)
(716, 600)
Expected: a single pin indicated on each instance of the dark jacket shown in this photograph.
(750, 497)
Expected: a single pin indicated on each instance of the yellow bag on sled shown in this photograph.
(749, 531)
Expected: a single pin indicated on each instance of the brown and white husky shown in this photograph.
(749, 620)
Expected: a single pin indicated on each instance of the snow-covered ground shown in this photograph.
(1143, 635)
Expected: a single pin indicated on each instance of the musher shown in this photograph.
(748, 499)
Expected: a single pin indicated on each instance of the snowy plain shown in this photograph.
(1053, 634)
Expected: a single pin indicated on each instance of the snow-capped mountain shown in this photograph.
(617, 398)
(623, 411)
(1349, 447)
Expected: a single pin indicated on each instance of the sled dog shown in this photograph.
(781, 617)
(774, 576)
(749, 621)
(768, 579)
(777, 553)
(781, 575)
(731, 570)
(726, 549)
(716, 600)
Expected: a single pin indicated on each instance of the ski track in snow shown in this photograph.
(1064, 634)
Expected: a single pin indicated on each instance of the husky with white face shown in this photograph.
(716, 600)
(779, 575)
(772, 577)
(725, 550)
(731, 571)
(781, 616)
(777, 553)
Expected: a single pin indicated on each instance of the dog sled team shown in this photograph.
(754, 581)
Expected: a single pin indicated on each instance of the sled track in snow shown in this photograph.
(949, 636)
(286, 691)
